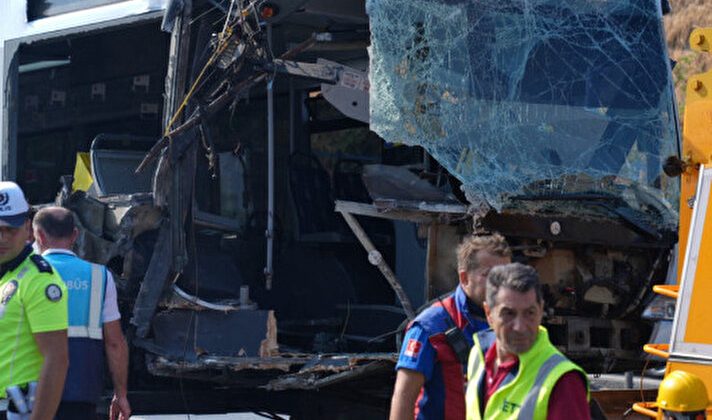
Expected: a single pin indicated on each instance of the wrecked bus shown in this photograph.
(279, 185)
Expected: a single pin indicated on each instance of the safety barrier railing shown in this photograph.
(650, 409)
(669, 290)
(659, 350)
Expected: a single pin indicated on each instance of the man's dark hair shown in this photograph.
(515, 276)
(55, 222)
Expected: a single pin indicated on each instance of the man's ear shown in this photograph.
(75, 234)
(488, 310)
(39, 235)
(462, 275)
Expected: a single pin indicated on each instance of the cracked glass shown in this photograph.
(528, 97)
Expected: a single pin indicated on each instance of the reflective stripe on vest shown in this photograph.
(93, 329)
(527, 410)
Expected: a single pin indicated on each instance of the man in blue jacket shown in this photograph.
(94, 321)
(430, 382)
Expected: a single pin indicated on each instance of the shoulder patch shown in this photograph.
(7, 292)
(42, 264)
(412, 349)
(53, 293)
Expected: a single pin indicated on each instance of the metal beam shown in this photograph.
(269, 233)
(323, 72)
(418, 212)
(375, 258)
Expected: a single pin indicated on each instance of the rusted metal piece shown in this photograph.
(269, 346)
(309, 380)
(302, 371)
(201, 369)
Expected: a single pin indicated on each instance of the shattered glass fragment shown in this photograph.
(528, 96)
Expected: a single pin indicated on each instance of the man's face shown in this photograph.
(474, 282)
(515, 320)
(13, 241)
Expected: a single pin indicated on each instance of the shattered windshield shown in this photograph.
(527, 96)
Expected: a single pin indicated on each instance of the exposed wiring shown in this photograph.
(647, 285)
(222, 44)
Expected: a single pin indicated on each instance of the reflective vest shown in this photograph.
(526, 395)
(435, 321)
(86, 283)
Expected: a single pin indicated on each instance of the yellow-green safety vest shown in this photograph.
(526, 397)
(33, 299)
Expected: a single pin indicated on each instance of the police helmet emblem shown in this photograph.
(7, 292)
(53, 292)
(4, 198)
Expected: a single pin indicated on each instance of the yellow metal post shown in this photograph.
(696, 135)
(691, 344)
(697, 148)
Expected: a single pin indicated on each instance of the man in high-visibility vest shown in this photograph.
(33, 317)
(94, 321)
(514, 371)
(430, 383)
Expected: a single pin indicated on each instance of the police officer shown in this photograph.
(514, 371)
(94, 321)
(430, 383)
(33, 317)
